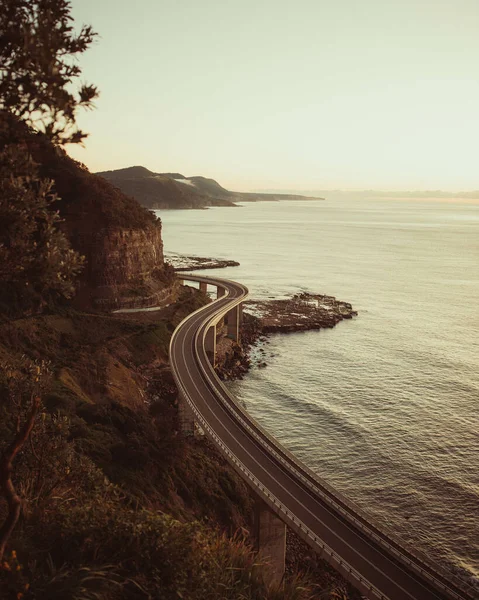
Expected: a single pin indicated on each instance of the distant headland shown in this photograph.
(338, 194)
(174, 190)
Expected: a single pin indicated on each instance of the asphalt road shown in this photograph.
(376, 564)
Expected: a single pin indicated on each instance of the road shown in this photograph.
(378, 565)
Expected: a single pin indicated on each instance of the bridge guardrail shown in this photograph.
(293, 522)
(328, 494)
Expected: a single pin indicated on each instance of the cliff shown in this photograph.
(174, 190)
(120, 239)
(126, 269)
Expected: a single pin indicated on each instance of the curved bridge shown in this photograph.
(375, 563)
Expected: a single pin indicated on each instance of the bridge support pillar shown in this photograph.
(220, 292)
(186, 417)
(233, 318)
(203, 287)
(270, 534)
(210, 344)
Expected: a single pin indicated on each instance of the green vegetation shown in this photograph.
(155, 190)
(38, 47)
(37, 264)
(116, 503)
(101, 497)
(166, 190)
(97, 546)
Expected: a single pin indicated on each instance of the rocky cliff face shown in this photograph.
(120, 239)
(124, 255)
(126, 269)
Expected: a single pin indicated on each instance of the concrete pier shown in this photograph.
(233, 318)
(220, 292)
(185, 416)
(210, 344)
(203, 287)
(270, 534)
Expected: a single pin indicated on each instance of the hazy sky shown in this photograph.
(290, 94)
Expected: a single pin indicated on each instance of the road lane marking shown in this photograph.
(287, 470)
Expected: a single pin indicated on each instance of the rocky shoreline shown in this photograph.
(302, 312)
(181, 262)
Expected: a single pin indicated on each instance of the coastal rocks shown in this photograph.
(302, 312)
(232, 362)
(180, 262)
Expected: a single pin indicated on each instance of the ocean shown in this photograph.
(384, 407)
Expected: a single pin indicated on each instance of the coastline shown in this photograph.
(262, 318)
(303, 311)
(182, 262)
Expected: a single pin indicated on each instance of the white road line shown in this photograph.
(315, 517)
(266, 450)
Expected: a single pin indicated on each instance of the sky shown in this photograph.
(283, 94)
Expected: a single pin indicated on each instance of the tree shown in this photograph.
(38, 50)
(23, 387)
(37, 264)
(38, 70)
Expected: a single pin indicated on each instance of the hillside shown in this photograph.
(174, 190)
(120, 239)
(119, 505)
(155, 190)
(115, 502)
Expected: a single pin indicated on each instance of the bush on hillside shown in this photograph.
(37, 264)
(83, 537)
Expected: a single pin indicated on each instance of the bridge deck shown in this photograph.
(377, 567)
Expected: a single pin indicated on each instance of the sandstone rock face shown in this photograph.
(124, 256)
(120, 239)
(126, 269)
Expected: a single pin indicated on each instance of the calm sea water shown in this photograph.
(384, 407)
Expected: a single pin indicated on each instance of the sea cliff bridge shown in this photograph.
(287, 492)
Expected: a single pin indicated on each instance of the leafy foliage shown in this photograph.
(38, 47)
(37, 264)
(111, 491)
(23, 389)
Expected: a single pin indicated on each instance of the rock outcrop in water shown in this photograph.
(181, 262)
(302, 312)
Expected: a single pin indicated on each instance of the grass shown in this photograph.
(119, 505)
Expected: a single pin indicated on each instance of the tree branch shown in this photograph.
(14, 501)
